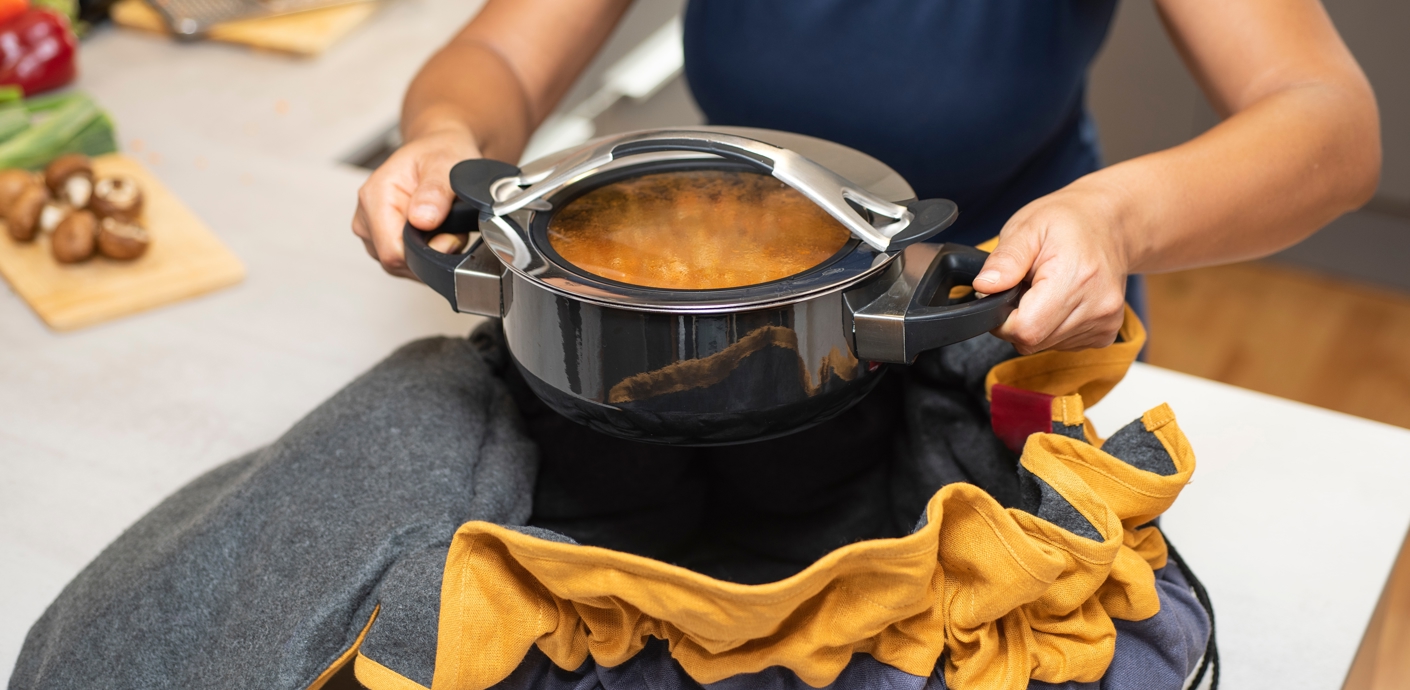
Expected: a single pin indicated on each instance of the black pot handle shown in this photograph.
(434, 268)
(931, 216)
(472, 180)
(930, 325)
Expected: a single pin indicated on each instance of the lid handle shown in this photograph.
(838, 196)
(720, 148)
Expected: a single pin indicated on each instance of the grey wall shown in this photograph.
(1145, 100)
(644, 17)
(1140, 93)
(1376, 32)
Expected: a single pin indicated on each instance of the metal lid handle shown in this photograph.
(836, 195)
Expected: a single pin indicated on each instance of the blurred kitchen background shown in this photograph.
(267, 129)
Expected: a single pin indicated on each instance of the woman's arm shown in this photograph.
(1299, 146)
(484, 93)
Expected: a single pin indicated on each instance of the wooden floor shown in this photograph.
(1383, 660)
(1286, 332)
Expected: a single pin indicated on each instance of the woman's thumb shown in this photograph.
(1006, 267)
(430, 202)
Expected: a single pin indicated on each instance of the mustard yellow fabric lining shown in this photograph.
(378, 677)
(1009, 596)
(1089, 373)
(347, 654)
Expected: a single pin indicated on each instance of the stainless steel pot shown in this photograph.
(705, 367)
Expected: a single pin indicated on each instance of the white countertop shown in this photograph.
(1292, 521)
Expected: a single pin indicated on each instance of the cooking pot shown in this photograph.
(702, 354)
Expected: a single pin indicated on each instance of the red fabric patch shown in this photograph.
(1017, 413)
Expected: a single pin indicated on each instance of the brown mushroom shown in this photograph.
(12, 182)
(117, 196)
(22, 218)
(122, 240)
(53, 213)
(75, 238)
(70, 177)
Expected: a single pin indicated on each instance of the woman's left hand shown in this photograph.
(1069, 245)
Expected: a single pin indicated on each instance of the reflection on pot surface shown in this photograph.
(686, 378)
(695, 230)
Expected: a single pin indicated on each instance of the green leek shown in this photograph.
(38, 130)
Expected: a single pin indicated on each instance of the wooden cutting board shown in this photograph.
(185, 259)
(302, 33)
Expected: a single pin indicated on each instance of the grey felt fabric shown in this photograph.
(1070, 430)
(1140, 448)
(1041, 499)
(947, 438)
(261, 572)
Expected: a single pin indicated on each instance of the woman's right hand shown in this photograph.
(412, 185)
(482, 93)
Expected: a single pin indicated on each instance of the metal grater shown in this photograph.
(191, 18)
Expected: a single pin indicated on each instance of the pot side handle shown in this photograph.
(469, 281)
(930, 326)
(897, 319)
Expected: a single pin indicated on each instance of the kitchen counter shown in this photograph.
(1292, 521)
(201, 100)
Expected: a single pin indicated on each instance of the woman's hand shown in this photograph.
(481, 95)
(1069, 246)
(413, 185)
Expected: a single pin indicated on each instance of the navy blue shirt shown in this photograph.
(979, 101)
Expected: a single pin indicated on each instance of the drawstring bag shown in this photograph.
(428, 527)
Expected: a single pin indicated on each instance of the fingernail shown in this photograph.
(424, 212)
(989, 276)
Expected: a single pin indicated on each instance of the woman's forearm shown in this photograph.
(1300, 144)
(468, 86)
(1260, 181)
(506, 70)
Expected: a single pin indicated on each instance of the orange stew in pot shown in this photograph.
(695, 230)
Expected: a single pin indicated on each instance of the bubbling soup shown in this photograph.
(695, 230)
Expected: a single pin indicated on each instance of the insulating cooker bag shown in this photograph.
(391, 533)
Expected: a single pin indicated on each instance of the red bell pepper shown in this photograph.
(37, 51)
(9, 9)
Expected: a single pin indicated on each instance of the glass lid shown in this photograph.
(704, 229)
(661, 228)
